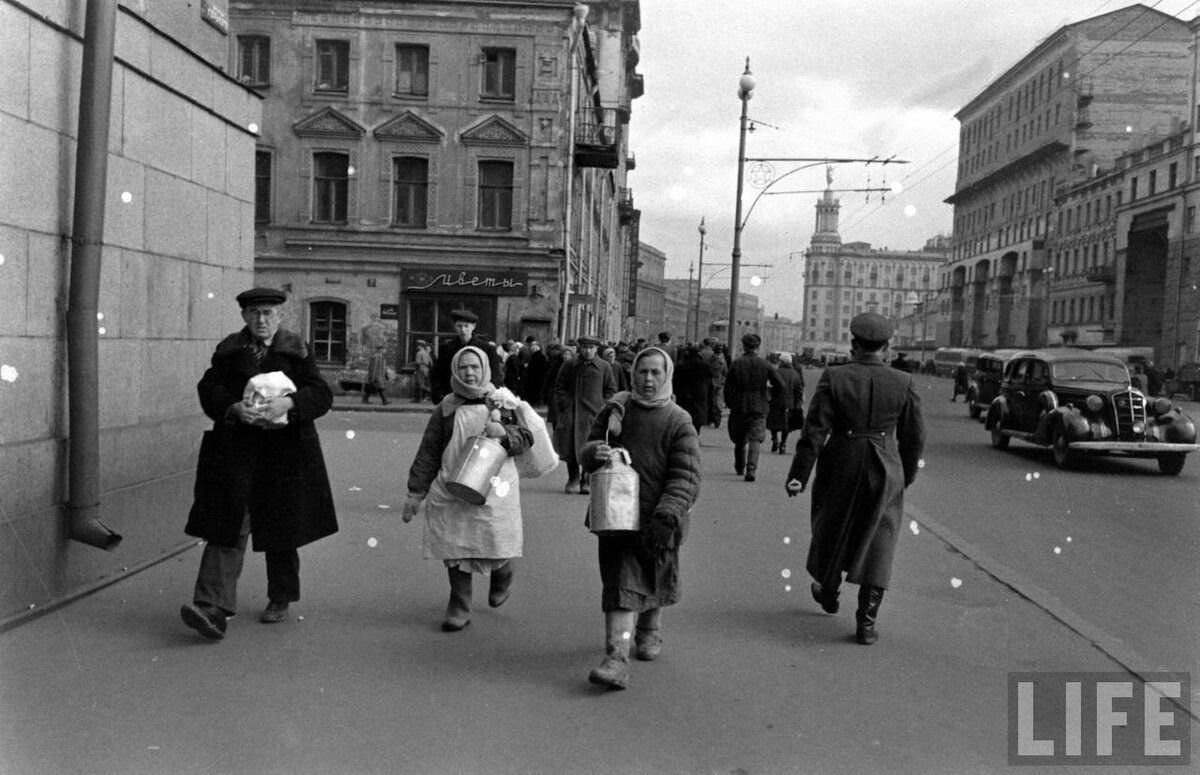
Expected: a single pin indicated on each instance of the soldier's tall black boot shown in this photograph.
(869, 599)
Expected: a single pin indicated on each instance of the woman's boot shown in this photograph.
(647, 643)
(869, 599)
(501, 579)
(613, 672)
(458, 610)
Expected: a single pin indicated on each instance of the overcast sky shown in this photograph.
(836, 78)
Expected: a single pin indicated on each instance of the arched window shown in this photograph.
(327, 331)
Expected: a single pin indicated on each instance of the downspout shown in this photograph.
(87, 235)
(579, 16)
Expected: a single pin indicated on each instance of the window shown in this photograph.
(331, 186)
(410, 187)
(1172, 175)
(333, 65)
(412, 70)
(495, 195)
(1190, 219)
(499, 74)
(254, 60)
(1133, 187)
(262, 186)
(1153, 183)
(327, 331)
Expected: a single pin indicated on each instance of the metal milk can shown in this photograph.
(478, 463)
(614, 496)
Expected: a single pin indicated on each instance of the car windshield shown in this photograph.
(1090, 371)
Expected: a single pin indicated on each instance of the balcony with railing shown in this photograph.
(1104, 273)
(598, 137)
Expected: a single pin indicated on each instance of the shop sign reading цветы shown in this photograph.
(465, 281)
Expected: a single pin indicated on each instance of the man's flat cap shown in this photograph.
(464, 314)
(751, 341)
(588, 341)
(261, 296)
(871, 327)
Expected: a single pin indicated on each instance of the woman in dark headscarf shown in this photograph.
(640, 571)
(469, 538)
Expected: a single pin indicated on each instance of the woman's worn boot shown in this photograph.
(869, 599)
(647, 643)
(501, 580)
(613, 672)
(458, 610)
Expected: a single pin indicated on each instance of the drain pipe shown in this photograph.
(87, 235)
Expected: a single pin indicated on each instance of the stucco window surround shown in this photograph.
(409, 135)
(308, 175)
(391, 57)
(495, 139)
(328, 131)
(484, 68)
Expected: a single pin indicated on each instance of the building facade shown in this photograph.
(651, 300)
(1066, 111)
(177, 205)
(842, 280)
(417, 158)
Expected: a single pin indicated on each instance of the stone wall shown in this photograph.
(177, 248)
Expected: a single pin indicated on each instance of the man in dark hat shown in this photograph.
(581, 389)
(865, 435)
(464, 327)
(749, 385)
(261, 470)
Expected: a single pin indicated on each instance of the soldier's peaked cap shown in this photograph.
(871, 327)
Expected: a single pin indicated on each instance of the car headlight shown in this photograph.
(1095, 403)
(1139, 427)
(1161, 406)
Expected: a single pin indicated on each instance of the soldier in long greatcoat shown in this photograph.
(865, 435)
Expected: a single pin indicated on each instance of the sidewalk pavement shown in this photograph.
(753, 677)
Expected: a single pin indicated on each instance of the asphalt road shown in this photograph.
(1116, 543)
(753, 678)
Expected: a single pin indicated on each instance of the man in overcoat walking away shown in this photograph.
(261, 471)
(748, 389)
(581, 389)
(864, 433)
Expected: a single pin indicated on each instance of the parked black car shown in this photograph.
(984, 383)
(1081, 403)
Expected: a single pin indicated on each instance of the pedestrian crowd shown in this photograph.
(626, 419)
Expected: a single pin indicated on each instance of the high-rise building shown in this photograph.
(1089, 92)
(844, 279)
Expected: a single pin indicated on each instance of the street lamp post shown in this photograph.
(699, 281)
(745, 92)
(579, 16)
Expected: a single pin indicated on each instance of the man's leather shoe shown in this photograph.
(276, 612)
(749, 477)
(206, 620)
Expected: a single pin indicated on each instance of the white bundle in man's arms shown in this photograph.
(261, 388)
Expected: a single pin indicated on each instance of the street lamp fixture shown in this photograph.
(746, 86)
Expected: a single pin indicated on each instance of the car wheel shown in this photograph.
(1064, 457)
(999, 440)
(1171, 463)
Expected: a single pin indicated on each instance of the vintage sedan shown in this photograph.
(1081, 403)
(984, 384)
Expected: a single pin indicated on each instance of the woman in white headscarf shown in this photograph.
(470, 538)
(639, 572)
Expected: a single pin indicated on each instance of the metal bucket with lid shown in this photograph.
(614, 503)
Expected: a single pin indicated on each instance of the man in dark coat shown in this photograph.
(865, 435)
(464, 327)
(580, 392)
(693, 386)
(376, 377)
(749, 385)
(261, 471)
(536, 366)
